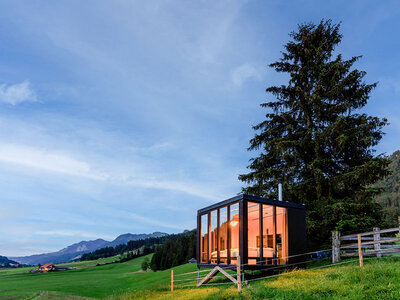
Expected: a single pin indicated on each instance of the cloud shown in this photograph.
(46, 160)
(244, 73)
(17, 93)
(65, 164)
(75, 233)
(154, 222)
(152, 183)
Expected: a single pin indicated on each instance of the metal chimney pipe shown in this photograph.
(280, 192)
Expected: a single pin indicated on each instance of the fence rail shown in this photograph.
(368, 243)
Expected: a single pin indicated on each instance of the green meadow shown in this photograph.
(378, 279)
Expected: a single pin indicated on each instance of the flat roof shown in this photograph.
(249, 198)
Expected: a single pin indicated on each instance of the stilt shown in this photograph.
(214, 272)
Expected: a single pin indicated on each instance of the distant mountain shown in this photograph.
(64, 255)
(125, 238)
(5, 262)
(75, 251)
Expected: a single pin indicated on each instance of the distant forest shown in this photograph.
(123, 248)
(181, 248)
(174, 252)
(6, 263)
(390, 198)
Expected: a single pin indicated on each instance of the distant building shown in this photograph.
(51, 267)
(47, 268)
(61, 268)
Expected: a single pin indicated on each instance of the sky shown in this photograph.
(129, 116)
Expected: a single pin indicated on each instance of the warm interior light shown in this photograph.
(234, 223)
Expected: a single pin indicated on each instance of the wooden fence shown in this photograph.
(377, 242)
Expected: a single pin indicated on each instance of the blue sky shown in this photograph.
(128, 116)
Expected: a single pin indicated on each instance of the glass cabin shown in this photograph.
(263, 232)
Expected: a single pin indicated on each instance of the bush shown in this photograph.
(145, 264)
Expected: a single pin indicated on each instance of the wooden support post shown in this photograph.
(238, 275)
(335, 246)
(360, 255)
(172, 280)
(214, 272)
(377, 238)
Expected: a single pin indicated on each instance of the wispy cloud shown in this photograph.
(63, 163)
(46, 160)
(17, 93)
(152, 221)
(74, 233)
(243, 73)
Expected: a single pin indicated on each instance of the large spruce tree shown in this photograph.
(315, 138)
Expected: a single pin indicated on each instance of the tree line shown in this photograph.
(174, 252)
(123, 248)
(390, 198)
(180, 246)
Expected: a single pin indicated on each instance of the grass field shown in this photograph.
(93, 282)
(378, 279)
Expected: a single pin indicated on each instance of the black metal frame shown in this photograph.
(296, 230)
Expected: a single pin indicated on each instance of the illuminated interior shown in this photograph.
(222, 235)
(281, 235)
(233, 241)
(267, 238)
(268, 233)
(253, 228)
(213, 237)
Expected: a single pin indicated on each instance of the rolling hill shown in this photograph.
(5, 262)
(378, 279)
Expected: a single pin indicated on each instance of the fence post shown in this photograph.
(360, 255)
(238, 275)
(377, 238)
(172, 280)
(335, 246)
(398, 220)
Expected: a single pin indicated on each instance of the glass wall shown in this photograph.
(234, 232)
(268, 233)
(281, 235)
(204, 238)
(222, 235)
(267, 237)
(253, 237)
(213, 237)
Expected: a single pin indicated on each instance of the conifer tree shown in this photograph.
(316, 140)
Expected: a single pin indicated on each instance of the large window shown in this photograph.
(267, 237)
(268, 233)
(214, 237)
(281, 235)
(222, 235)
(253, 237)
(204, 238)
(234, 232)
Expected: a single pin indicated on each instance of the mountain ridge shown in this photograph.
(76, 250)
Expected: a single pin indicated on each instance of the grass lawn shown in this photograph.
(93, 282)
(378, 279)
